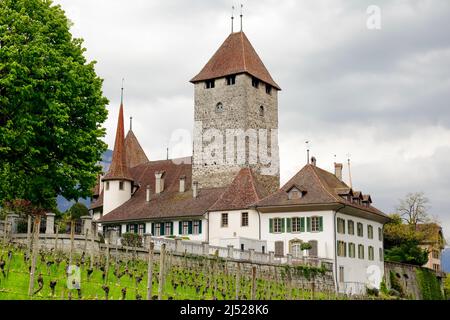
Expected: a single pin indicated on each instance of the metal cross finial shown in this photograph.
(307, 151)
(131, 123)
(349, 170)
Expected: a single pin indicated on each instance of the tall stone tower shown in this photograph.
(236, 117)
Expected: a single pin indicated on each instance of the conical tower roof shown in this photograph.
(135, 154)
(118, 170)
(236, 55)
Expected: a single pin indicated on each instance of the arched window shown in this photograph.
(219, 107)
(261, 111)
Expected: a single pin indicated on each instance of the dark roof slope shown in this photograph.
(170, 203)
(244, 191)
(135, 153)
(236, 55)
(322, 187)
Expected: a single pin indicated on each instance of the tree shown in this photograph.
(414, 208)
(51, 107)
(407, 252)
(77, 211)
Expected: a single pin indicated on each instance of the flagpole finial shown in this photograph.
(232, 19)
(242, 6)
(121, 93)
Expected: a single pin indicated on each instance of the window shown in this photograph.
(219, 107)
(340, 225)
(268, 89)
(210, 84)
(244, 219)
(132, 228)
(351, 227)
(341, 274)
(351, 250)
(168, 228)
(371, 253)
(242, 247)
(360, 251)
(370, 232)
(107, 185)
(196, 227)
(341, 249)
(261, 111)
(255, 82)
(224, 220)
(316, 224)
(278, 225)
(185, 227)
(360, 229)
(436, 254)
(231, 80)
(279, 248)
(296, 249)
(380, 254)
(296, 224)
(436, 267)
(141, 229)
(380, 234)
(157, 229)
(121, 185)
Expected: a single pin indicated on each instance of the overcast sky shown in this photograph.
(381, 96)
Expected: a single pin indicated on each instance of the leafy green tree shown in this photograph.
(77, 211)
(51, 107)
(407, 252)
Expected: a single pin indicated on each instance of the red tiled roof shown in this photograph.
(236, 55)
(135, 153)
(97, 203)
(119, 168)
(322, 187)
(242, 192)
(170, 203)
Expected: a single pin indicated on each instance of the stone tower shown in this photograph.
(236, 117)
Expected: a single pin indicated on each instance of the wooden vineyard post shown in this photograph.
(238, 280)
(92, 249)
(150, 270)
(85, 240)
(253, 295)
(161, 271)
(107, 263)
(5, 230)
(72, 235)
(36, 227)
(29, 237)
(56, 239)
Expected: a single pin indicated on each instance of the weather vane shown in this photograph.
(242, 6)
(232, 19)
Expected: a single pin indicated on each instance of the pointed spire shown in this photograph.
(118, 170)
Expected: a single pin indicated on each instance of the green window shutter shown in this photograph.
(145, 226)
(171, 228)
(345, 249)
(283, 225)
(302, 224)
(200, 227)
(136, 228)
(270, 225)
(153, 229)
(288, 224)
(180, 227)
(343, 226)
(320, 223)
(190, 227)
(128, 228)
(308, 224)
(161, 226)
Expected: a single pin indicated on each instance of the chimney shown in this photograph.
(313, 161)
(338, 170)
(159, 182)
(195, 189)
(182, 184)
(147, 195)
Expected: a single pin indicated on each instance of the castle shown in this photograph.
(228, 192)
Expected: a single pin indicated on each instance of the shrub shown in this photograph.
(131, 240)
(396, 286)
(428, 284)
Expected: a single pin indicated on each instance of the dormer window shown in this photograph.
(210, 84)
(107, 185)
(255, 82)
(231, 80)
(268, 89)
(121, 185)
(295, 194)
(219, 107)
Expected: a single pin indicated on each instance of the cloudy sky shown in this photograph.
(381, 96)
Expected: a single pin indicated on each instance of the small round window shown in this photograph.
(261, 111)
(219, 107)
